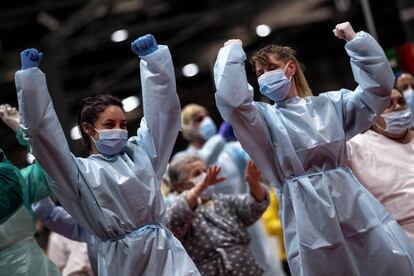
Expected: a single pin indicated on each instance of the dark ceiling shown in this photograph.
(81, 60)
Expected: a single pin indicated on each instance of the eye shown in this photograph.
(109, 125)
(123, 125)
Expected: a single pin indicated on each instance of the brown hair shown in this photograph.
(285, 54)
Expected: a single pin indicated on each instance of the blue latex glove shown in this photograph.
(30, 58)
(226, 130)
(144, 45)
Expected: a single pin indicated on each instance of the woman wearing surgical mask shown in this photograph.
(115, 192)
(405, 83)
(382, 159)
(213, 227)
(332, 224)
(201, 132)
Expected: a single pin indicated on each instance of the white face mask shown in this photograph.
(207, 128)
(111, 141)
(207, 193)
(398, 122)
(409, 96)
(274, 84)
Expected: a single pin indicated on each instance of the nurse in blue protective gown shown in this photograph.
(114, 193)
(332, 224)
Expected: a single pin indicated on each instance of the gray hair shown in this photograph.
(178, 169)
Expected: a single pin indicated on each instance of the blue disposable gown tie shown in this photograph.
(332, 224)
(117, 199)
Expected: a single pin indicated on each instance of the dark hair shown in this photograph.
(90, 109)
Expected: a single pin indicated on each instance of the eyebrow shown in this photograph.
(113, 121)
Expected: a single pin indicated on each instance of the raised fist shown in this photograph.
(344, 31)
(30, 58)
(144, 45)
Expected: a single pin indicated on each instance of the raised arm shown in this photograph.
(374, 76)
(41, 126)
(179, 216)
(234, 99)
(161, 123)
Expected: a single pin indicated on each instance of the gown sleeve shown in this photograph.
(42, 129)
(59, 220)
(234, 99)
(360, 108)
(161, 123)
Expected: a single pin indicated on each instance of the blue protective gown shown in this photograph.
(117, 199)
(332, 224)
(209, 152)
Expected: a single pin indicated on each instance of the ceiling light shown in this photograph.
(190, 70)
(119, 35)
(263, 30)
(130, 103)
(75, 133)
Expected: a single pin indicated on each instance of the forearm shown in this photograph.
(233, 90)
(161, 105)
(42, 129)
(192, 196)
(58, 220)
(258, 191)
(370, 65)
(179, 216)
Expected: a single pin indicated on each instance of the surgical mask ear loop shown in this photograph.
(284, 70)
(94, 130)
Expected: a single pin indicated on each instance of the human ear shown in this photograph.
(291, 68)
(88, 129)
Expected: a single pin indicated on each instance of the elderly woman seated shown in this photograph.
(213, 227)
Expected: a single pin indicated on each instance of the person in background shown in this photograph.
(70, 256)
(20, 255)
(382, 159)
(201, 132)
(233, 162)
(331, 222)
(115, 192)
(405, 83)
(273, 226)
(58, 220)
(213, 227)
(55, 218)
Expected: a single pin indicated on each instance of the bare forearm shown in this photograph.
(258, 191)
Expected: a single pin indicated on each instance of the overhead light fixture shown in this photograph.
(130, 103)
(190, 70)
(119, 35)
(30, 158)
(75, 133)
(263, 30)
